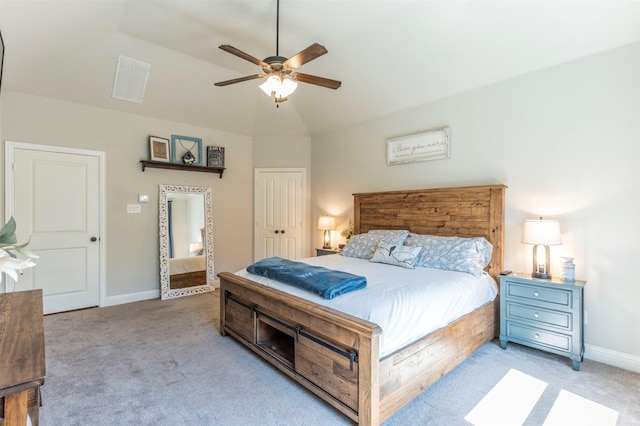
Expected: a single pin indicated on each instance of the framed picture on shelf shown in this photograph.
(186, 150)
(159, 149)
(215, 156)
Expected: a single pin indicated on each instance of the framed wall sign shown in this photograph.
(186, 150)
(215, 156)
(159, 149)
(431, 145)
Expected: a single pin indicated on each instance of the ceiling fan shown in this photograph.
(282, 78)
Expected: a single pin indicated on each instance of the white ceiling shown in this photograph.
(390, 55)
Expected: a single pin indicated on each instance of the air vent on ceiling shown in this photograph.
(131, 79)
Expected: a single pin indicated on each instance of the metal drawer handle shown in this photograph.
(536, 315)
(536, 294)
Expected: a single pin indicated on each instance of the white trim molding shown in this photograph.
(617, 359)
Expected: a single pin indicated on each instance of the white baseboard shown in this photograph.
(617, 359)
(131, 297)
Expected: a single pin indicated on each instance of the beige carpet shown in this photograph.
(165, 363)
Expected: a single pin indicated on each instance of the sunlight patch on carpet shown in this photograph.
(571, 409)
(509, 402)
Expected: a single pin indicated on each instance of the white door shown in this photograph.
(279, 210)
(54, 195)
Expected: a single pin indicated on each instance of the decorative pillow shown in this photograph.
(396, 255)
(362, 246)
(470, 255)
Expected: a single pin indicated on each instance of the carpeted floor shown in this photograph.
(165, 363)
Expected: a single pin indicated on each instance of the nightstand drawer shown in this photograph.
(542, 316)
(538, 337)
(549, 295)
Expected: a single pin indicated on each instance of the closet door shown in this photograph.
(279, 206)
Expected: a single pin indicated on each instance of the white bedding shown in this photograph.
(406, 303)
(182, 265)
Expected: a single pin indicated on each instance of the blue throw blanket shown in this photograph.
(322, 281)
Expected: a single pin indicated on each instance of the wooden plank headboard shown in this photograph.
(474, 211)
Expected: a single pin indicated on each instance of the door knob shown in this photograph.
(94, 239)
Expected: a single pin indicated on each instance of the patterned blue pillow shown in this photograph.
(470, 255)
(396, 255)
(363, 246)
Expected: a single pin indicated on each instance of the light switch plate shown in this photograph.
(143, 198)
(133, 208)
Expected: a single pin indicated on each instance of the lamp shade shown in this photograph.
(280, 87)
(541, 232)
(326, 223)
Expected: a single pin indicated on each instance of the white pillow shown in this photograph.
(362, 246)
(470, 255)
(397, 255)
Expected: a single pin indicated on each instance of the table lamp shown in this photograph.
(327, 224)
(542, 234)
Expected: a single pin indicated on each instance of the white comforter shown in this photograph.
(182, 265)
(406, 303)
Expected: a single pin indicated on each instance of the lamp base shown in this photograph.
(326, 247)
(541, 275)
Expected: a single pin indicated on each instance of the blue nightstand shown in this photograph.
(543, 314)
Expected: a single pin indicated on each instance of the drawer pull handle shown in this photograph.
(536, 315)
(537, 336)
(536, 294)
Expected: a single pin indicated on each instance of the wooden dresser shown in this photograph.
(22, 364)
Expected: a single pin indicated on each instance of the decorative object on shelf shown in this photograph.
(347, 232)
(542, 234)
(159, 149)
(186, 150)
(431, 145)
(215, 156)
(327, 224)
(10, 264)
(567, 269)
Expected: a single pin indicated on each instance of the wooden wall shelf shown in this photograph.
(174, 166)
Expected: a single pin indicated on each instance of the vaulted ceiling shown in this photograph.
(390, 55)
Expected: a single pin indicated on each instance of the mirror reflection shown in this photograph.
(186, 246)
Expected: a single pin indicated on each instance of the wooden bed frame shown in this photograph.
(188, 279)
(336, 356)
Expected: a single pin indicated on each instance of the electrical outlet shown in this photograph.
(133, 208)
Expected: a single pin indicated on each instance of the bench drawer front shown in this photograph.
(538, 337)
(331, 371)
(531, 293)
(239, 318)
(542, 316)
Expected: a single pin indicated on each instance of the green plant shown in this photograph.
(347, 232)
(10, 264)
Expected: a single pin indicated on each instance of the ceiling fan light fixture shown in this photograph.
(279, 87)
(271, 85)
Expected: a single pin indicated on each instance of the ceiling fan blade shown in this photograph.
(239, 80)
(240, 54)
(318, 81)
(309, 54)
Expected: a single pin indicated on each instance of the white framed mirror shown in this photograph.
(186, 240)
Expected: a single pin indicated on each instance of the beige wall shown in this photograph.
(132, 239)
(565, 140)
